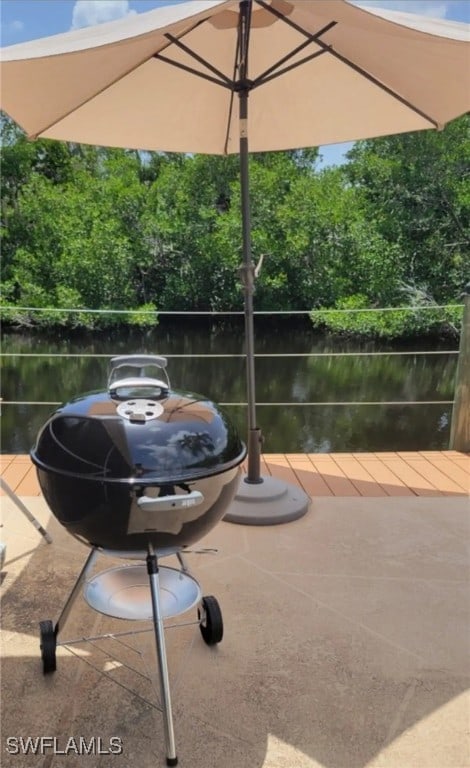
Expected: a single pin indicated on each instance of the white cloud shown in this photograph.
(86, 13)
(9, 30)
(437, 9)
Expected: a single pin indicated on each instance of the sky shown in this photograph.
(22, 20)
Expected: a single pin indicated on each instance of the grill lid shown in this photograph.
(139, 429)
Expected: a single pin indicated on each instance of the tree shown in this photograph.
(101, 228)
(416, 188)
(72, 249)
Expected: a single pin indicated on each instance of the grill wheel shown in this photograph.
(210, 620)
(48, 646)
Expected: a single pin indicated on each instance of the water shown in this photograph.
(286, 428)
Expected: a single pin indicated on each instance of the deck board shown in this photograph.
(388, 481)
(333, 475)
(311, 481)
(431, 473)
(456, 474)
(363, 481)
(412, 479)
(391, 473)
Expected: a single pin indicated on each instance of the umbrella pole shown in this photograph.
(260, 500)
(254, 433)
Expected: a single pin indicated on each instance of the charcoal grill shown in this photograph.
(139, 471)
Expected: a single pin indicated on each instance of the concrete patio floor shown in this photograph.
(346, 645)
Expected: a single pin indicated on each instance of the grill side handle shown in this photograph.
(164, 514)
(170, 503)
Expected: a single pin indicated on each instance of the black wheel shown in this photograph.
(210, 620)
(48, 646)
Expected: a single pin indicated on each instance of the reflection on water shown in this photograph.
(296, 428)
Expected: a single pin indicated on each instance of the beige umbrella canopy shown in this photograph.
(362, 75)
(304, 73)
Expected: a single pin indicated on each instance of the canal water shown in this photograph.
(297, 367)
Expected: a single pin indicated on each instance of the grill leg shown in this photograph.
(182, 562)
(16, 500)
(76, 589)
(152, 570)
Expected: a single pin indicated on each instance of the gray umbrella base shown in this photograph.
(267, 503)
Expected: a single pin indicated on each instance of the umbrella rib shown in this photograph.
(232, 95)
(198, 58)
(296, 64)
(350, 64)
(283, 18)
(382, 86)
(311, 39)
(224, 83)
(220, 79)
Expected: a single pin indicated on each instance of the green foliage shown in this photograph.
(347, 319)
(416, 188)
(90, 228)
(69, 240)
(143, 316)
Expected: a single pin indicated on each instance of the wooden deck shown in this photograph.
(423, 473)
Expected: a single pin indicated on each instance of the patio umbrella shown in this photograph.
(304, 73)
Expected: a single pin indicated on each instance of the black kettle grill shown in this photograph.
(138, 462)
(139, 471)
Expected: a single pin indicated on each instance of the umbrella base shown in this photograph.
(269, 502)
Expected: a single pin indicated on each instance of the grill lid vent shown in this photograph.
(140, 410)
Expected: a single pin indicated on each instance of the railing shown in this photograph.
(215, 312)
(260, 355)
(108, 356)
(460, 426)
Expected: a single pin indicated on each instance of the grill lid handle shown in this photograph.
(137, 361)
(142, 382)
(141, 362)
